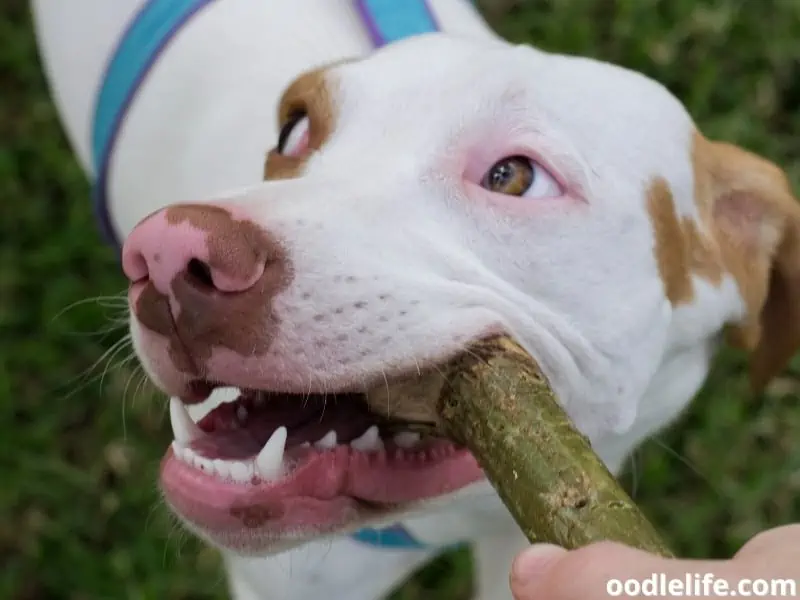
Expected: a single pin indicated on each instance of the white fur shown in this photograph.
(575, 280)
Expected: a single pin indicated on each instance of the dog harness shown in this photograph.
(145, 38)
(151, 31)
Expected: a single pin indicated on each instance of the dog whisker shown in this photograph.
(114, 301)
(133, 374)
(86, 378)
(120, 348)
(686, 462)
(634, 466)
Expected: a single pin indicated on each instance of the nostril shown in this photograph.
(199, 274)
(135, 267)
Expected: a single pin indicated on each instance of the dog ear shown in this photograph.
(756, 221)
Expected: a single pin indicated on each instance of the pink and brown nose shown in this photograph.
(200, 243)
(202, 276)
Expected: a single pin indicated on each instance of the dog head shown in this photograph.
(436, 192)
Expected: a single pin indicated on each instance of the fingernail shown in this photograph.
(534, 561)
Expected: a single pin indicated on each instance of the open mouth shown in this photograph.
(289, 463)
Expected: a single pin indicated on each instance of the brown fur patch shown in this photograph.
(759, 222)
(253, 517)
(309, 94)
(681, 249)
(154, 313)
(242, 322)
(751, 230)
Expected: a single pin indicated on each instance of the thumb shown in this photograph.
(530, 568)
(544, 572)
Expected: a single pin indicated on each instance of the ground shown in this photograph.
(79, 451)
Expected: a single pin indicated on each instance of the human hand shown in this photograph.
(769, 561)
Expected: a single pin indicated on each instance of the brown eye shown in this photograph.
(512, 176)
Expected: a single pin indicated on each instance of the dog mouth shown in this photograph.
(288, 463)
(254, 435)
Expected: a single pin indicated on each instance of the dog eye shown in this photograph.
(293, 138)
(521, 176)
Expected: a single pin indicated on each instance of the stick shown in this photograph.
(499, 405)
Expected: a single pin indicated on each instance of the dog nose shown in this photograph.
(206, 277)
(199, 245)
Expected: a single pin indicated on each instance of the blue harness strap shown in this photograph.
(149, 33)
(139, 47)
(391, 20)
(393, 537)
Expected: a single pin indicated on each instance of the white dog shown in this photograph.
(447, 187)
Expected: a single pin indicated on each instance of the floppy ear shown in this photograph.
(756, 221)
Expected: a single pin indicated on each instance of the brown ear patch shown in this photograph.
(681, 249)
(757, 225)
(748, 227)
(309, 94)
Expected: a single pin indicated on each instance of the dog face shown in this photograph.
(440, 191)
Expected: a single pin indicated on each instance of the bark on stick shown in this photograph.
(499, 405)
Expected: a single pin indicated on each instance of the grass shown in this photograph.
(79, 511)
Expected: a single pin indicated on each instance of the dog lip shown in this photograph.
(321, 488)
(197, 391)
(325, 491)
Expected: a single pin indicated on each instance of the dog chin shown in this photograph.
(267, 541)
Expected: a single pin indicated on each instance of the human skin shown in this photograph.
(545, 572)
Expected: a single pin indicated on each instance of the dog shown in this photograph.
(297, 281)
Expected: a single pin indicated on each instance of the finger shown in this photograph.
(774, 553)
(778, 540)
(530, 567)
(603, 570)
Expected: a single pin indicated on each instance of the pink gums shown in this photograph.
(321, 493)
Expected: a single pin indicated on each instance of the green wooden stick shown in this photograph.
(499, 405)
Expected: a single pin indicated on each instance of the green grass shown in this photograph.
(79, 511)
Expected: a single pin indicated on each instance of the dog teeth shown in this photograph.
(407, 439)
(370, 441)
(184, 429)
(222, 468)
(241, 472)
(269, 462)
(236, 470)
(327, 442)
(223, 395)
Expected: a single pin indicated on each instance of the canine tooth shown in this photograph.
(269, 461)
(177, 449)
(407, 439)
(305, 445)
(184, 429)
(241, 413)
(222, 467)
(240, 471)
(369, 441)
(327, 442)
